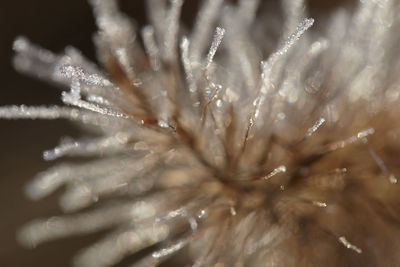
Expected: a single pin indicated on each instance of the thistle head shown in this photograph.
(246, 141)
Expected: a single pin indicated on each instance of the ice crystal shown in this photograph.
(221, 147)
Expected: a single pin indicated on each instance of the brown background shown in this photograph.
(52, 24)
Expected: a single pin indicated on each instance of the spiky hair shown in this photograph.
(205, 153)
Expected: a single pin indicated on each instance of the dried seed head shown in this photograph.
(205, 153)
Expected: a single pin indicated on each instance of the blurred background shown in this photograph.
(53, 25)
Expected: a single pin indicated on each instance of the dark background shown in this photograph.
(53, 25)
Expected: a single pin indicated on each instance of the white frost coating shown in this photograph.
(44, 64)
(280, 169)
(290, 41)
(156, 257)
(203, 28)
(75, 72)
(315, 127)
(268, 65)
(88, 147)
(180, 212)
(78, 59)
(391, 177)
(72, 99)
(348, 245)
(187, 64)
(319, 204)
(219, 34)
(169, 250)
(166, 150)
(98, 100)
(359, 136)
(48, 113)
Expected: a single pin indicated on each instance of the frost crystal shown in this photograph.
(202, 153)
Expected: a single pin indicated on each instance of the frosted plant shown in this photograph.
(204, 153)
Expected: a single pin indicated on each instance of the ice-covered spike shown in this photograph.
(349, 245)
(208, 184)
(378, 160)
(102, 146)
(172, 27)
(167, 251)
(319, 204)
(78, 59)
(269, 64)
(288, 43)
(315, 127)
(46, 65)
(47, 113)
(116, 246)
(280, 169)
(71, 72)
(48, 181)
(42, 230)
(187, 64)
(381, 164)
(219, 34)
(203, 28)
(98, 100)
(151, 47)
(157, 257)
(97, 88)
(359, 136)
(75, 89)
(180, 212)
(71, 99)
